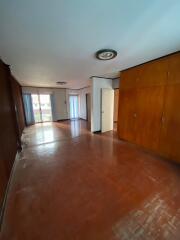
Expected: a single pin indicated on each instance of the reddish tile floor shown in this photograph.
(69, 184)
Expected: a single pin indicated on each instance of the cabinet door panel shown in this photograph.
(146, 75)
(126, 119)
(170, 131)
(174, 68)
(149, 115)
(129, 78)
(153, 73)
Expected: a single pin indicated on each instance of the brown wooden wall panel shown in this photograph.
(153, 73)
(8, 128)
(170, 131)
(19, 107)
(127, 115)
(174, 69)
(149, 109)
(151, 93)
(130, 78)
(150, 74)
(3, 181)
(116, 100)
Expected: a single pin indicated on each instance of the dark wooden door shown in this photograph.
(170, 132)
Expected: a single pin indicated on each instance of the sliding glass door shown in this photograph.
(45, 106)
(41, 107)
(36, 108)
(74, 106)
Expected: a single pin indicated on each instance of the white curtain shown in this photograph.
(28, 109)
(74, 107)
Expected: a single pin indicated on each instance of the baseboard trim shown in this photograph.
(83, 119)
(62, 120)
(97, 132)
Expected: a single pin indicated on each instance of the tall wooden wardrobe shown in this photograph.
(149, 106)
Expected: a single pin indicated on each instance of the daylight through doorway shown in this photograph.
(42, 107)
(74, 106)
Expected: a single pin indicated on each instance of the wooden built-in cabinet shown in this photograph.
(149, 106)
(169, 144)
(149, 103)
(127, 117)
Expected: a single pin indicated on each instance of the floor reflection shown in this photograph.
(75, 127)
(54, 131)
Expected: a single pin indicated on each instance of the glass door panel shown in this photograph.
(74, 107)
(36, 108)
(45, 103)
(41, 107)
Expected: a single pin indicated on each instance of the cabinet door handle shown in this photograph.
(163, 119)
(134, 115)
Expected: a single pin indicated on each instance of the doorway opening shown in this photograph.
(74, 106)
(116, 102)
(42, 107)
(107, 108)
(88, 107)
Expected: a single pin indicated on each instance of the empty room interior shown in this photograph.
(90, 120)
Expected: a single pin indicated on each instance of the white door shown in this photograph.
(107, 109)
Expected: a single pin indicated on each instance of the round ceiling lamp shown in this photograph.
(106, 54)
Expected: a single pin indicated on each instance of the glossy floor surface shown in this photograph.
(69, 184)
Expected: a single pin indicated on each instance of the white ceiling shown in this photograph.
(46, 41)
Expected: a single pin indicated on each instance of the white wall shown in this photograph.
(61, 100)
(115, 83)
(82, 94)
(60, 104)
(59, 95)
(97, 85)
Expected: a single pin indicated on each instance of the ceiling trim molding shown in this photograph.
(57, 87)
(104, 77)
(169, 54)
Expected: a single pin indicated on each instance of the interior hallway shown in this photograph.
(70, 184)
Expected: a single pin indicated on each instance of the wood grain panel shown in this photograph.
(170, 132)
(153, 73)
(127, 115)
(155, 87)
(8, 128)
(17, 97)
(174, 69)
(149, 109)
(129, 78)
(116, 102)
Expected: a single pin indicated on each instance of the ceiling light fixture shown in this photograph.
(106, 54)
(60, 83)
